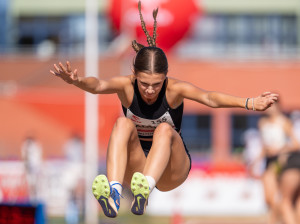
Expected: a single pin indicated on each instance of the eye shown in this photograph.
(144, 84)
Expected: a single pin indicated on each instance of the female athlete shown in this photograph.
(145, 147)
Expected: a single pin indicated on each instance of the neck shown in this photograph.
(149, 101)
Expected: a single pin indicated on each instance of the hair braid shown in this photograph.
(136, 46)
(155, 26)
(149, 38)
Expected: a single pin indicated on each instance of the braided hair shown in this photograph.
(150, 39)
(149, 59)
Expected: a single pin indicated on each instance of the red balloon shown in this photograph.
(173, 21)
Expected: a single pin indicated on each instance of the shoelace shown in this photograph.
(118, 194)
(115, 195)
(115, 191)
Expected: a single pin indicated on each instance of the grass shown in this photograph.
(124, 218)
(128, 218)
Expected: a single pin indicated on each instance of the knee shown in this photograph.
(124, 123)
(271, 199)
(164, 129)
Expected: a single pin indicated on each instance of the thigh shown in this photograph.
(270, 184)
(289, 183)
(124, 147)
(297, 204)
(178, 167)
(136, 159)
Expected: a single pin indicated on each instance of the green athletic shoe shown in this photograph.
(107, 196)
(140, 190)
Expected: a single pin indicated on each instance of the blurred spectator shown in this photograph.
(289, 184)
(73, 149)
(290, 175)
(278, 140)
(253, 148)
(295, 117)
(72, 209)
(46, 49)
(31, 152)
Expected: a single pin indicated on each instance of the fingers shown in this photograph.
(62, 67)
(271, 97)
(54, 73)
(266, 100)
(65, 72)
(270, 101)
(69, 67)
(56, 68)
(266, 93)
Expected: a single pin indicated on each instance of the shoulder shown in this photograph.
(126, 95)
(121, 82)
(286, 121)
(127, 82)
(175, 85)
(174, 92)
(184, 89)
(129, 79)
(285, 118)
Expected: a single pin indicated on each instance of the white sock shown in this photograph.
(117, 186)
(151, 182)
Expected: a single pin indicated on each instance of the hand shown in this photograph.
(67, 75)
(264, 101)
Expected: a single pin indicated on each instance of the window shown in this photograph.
(196, 132)
(65, 33)
(243, 35)
(241, 123)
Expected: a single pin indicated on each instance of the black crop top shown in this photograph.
(147, 117)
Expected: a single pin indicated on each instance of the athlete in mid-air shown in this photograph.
(146, 148)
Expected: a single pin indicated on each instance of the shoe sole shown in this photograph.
(140, 190)
(101, 191)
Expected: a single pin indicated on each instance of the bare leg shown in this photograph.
(124, 157)
(271, 192)
(167, 161)
(124, 154)
(289, 185)
(298, 206)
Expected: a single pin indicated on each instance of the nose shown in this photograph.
(150, 90)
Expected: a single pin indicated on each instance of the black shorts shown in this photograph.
(146, 146)
(293, 161)
(271, 160)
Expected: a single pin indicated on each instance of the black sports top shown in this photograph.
(148, 117)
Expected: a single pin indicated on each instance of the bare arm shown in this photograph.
(294, 143)
(89, 84)
(222, 100)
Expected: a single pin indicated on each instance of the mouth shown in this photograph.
(150, 95)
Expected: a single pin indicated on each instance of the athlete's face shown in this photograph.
(150, 85)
